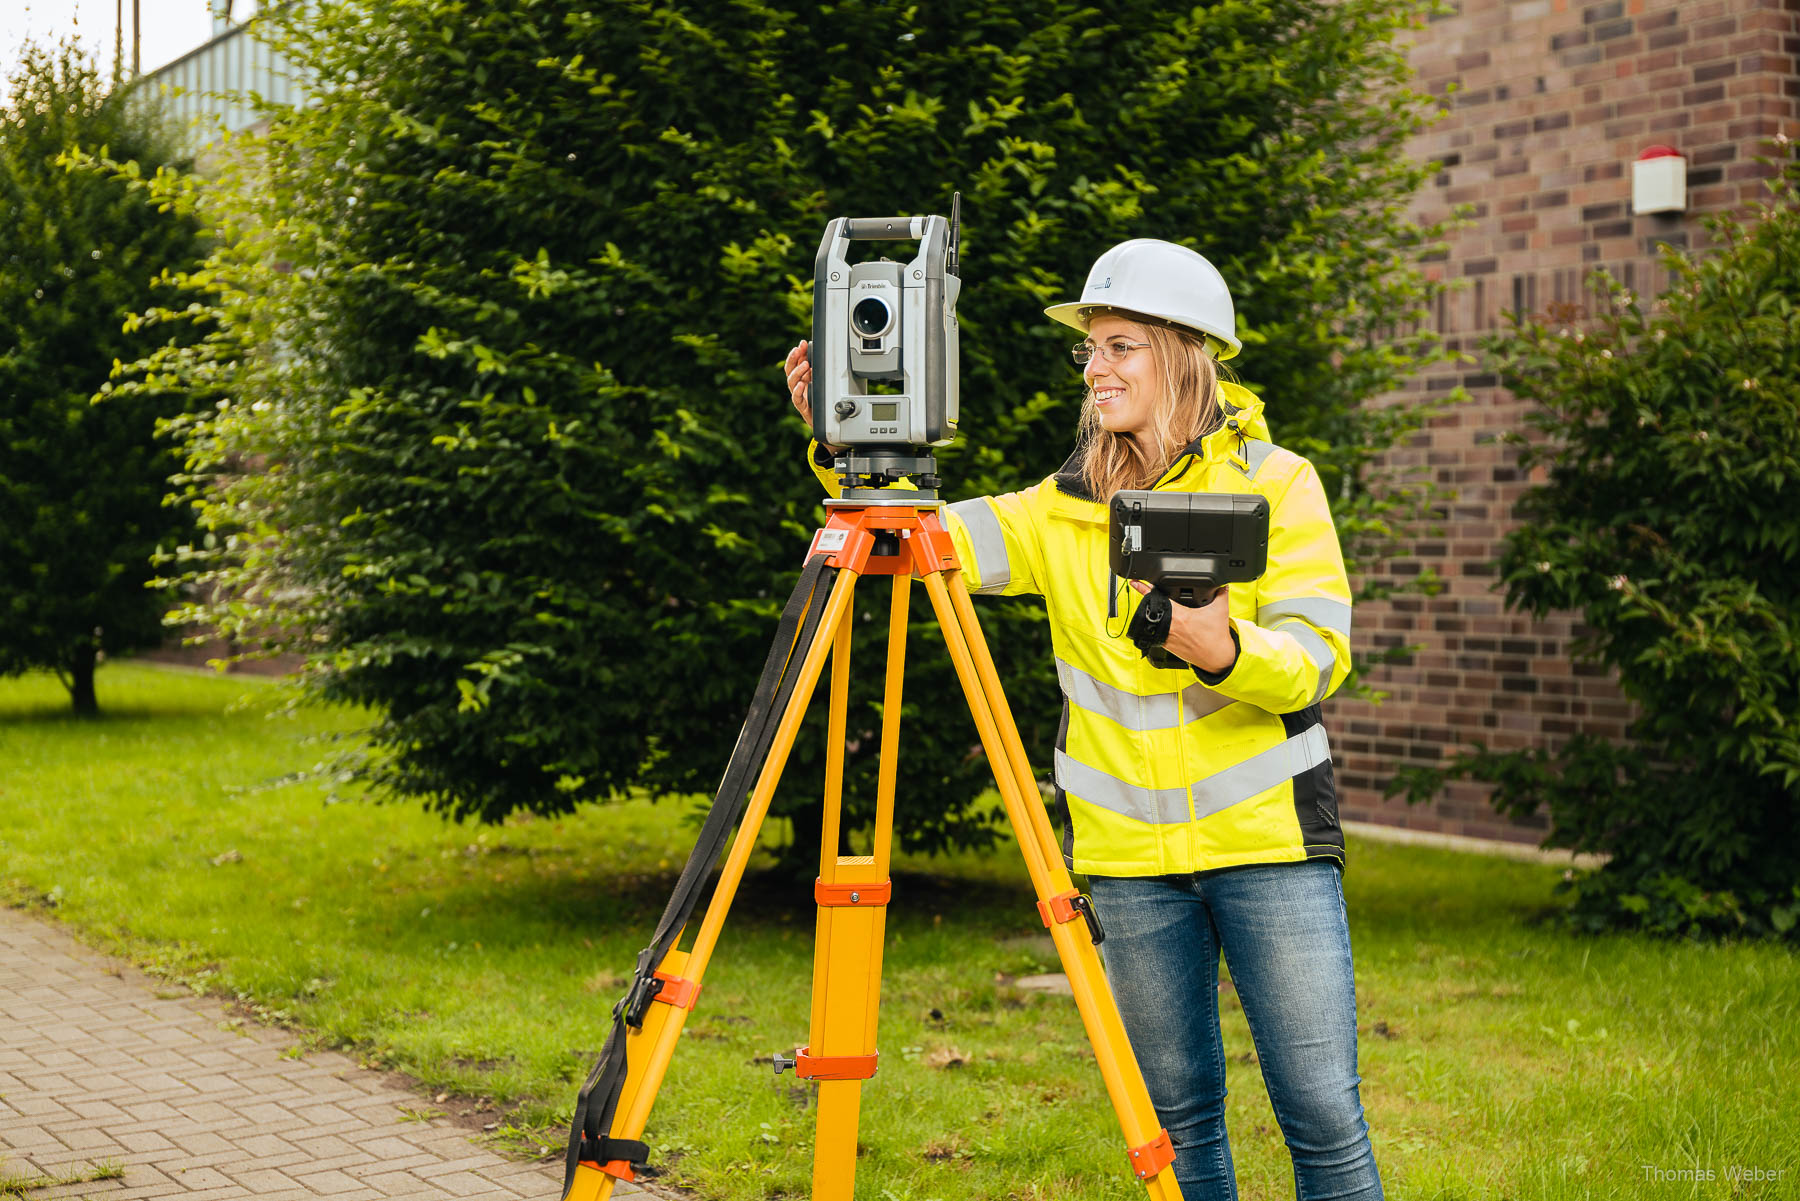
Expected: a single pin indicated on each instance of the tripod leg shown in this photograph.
(651, 1046)
(852, 893)
(1146, 1142)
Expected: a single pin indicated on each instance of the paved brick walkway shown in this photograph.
(95, 1066)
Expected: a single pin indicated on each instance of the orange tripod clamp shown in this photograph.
(833, 1067)
(676, 991)
(619, 1168)
(1153, 1156)
(832, 895)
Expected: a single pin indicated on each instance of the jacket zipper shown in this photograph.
(1192, 858)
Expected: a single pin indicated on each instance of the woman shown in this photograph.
(1198, 800)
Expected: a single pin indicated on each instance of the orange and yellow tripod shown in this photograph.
(904, 541)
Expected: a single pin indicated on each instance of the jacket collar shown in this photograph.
(1068, 476)
(1243, 421)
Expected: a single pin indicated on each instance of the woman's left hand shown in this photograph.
(1201, 636)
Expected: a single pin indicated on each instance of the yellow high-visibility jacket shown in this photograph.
(1179, 770)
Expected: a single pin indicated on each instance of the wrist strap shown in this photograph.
(1149, 627)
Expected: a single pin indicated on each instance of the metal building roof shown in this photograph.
(209, 85)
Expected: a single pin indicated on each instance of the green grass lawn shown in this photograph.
(1501, 1058)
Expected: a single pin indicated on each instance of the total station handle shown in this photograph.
(884, 229)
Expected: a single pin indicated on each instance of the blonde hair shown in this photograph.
(1188, 408)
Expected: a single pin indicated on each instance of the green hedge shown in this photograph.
(503, 312)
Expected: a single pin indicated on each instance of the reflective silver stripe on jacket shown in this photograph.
(1130, 710)
(1261, 772)
(1326, 614)
(989, 543)
(1154, 806)
(1318, 611)
(1158, 711)
(1201, 701)
(1316, 648)
(1254, 451)
(1169, 806)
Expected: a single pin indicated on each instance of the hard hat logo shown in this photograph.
(1160, 280)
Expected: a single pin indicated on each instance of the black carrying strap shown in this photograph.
(599, 1098)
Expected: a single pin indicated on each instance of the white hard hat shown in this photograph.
(1162, 280)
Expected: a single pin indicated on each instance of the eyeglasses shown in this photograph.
(1113, 350)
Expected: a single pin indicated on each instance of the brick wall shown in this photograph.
(1546, 103)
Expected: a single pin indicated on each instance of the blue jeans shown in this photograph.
(1283, 933)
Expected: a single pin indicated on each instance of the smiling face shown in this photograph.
(1125, 393)
(1142, 411)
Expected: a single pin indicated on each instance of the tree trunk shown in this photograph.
(81, 683)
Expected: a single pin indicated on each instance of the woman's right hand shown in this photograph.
(799, 380)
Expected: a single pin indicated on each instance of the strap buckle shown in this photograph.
(1066, 907)
(616, 1157)
(643, 991)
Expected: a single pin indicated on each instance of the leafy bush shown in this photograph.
(1669, 520)
(502, 314)
(82, 484)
